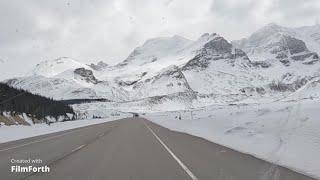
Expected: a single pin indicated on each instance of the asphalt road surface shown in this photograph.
(134, 149)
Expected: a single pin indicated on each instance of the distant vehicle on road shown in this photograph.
(135, 115)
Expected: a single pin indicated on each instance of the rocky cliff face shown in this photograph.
(289, 49)
(86, 75)
(216, 49)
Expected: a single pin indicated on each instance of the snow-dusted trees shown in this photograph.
(19, 101)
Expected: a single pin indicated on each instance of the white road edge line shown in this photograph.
(41, 140)
(184, 167)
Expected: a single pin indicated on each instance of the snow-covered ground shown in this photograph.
(284, 133)
(15, 132)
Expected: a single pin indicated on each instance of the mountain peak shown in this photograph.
(165, 40)
(286, 45)
(273, 25)
(63, 58)
(207, 36)
(156, 48)
(269, 29)
(178, 37)
(99, 66)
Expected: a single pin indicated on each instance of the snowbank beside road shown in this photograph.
(15, 132)
(284, 133)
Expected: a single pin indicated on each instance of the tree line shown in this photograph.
(18, 101)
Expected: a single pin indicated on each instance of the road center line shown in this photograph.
(78, 148)
(184, 167)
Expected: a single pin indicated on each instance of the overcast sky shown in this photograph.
(90, 30)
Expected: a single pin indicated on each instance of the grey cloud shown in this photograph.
(296, 12)
(233, 11)
(89, 30)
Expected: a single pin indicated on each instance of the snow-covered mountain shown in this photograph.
(285, 55)
(271, 64)
(149, 72)
(66, 78)
(155, 49)
(274, 42)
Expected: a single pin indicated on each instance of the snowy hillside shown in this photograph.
(66, 78)
(210, 61)
(274, 42)
(155, 49)
(60, 88)
(57, 66)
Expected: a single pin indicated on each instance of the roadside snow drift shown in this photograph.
(15, 132)
(284, 133)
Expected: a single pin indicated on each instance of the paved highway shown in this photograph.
(134, 149)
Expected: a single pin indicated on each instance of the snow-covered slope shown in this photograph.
(287, 63)
(215, 64)
(57, 66)
(218, 72)
(73, 83)
(180, 69)
(155, 49)
(152, 57)
(311, 90)
(274, 43)
(160, 67)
